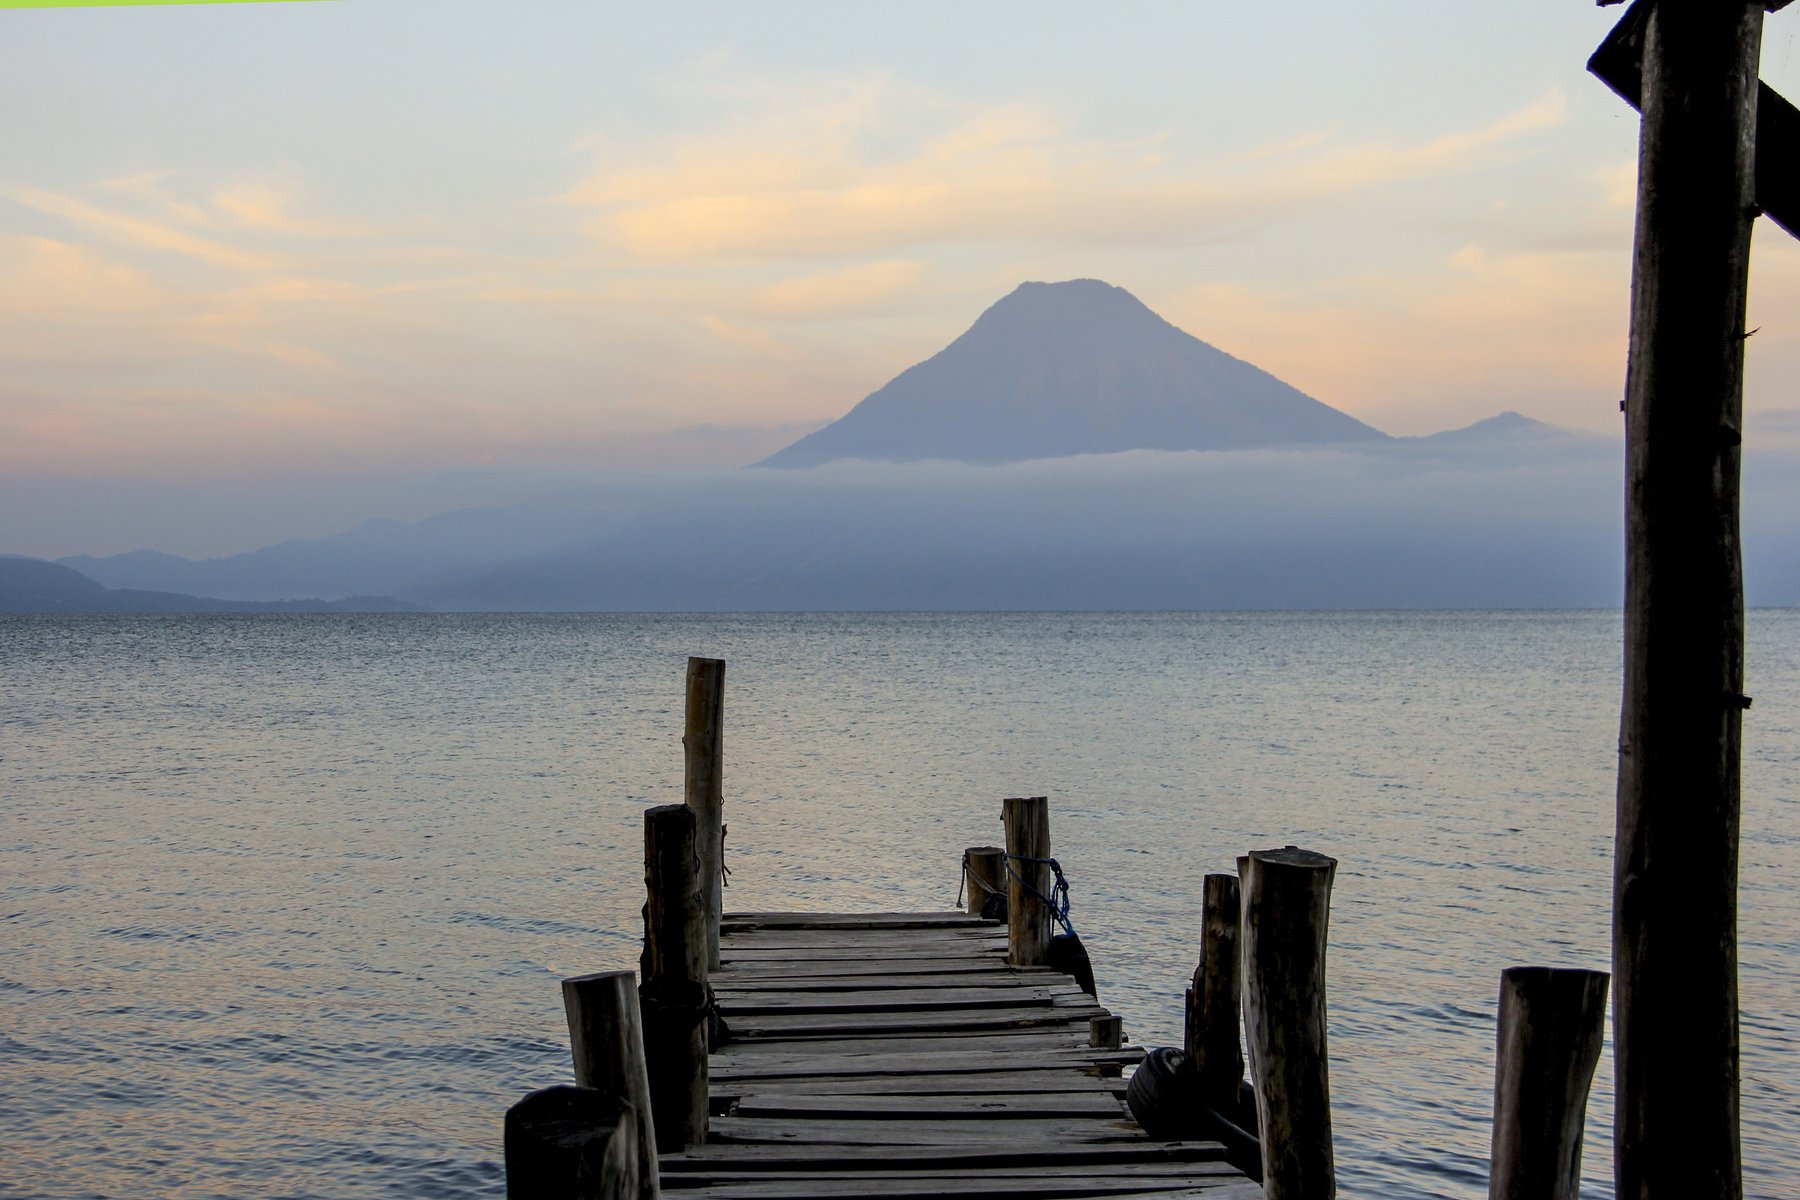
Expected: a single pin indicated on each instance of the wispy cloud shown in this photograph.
(847, 291)
(137, 231)
(833, 180)
(269, 207)
(1482, 330)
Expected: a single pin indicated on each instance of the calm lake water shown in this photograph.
(284, 900)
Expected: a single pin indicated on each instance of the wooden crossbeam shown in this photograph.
(1619, 63)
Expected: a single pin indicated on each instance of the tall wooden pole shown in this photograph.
(1675, 864)
(1212, 1041)
(1285, 907)
(675, 998)
(702, 741)
(1027, 820)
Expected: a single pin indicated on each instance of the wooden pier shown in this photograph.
(898, 1055)
(918, 1056)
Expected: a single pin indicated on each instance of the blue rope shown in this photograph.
(1058, 899)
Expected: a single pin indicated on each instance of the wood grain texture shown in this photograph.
(606, 1042)
(1213, 1047)
(571, 1143)
(1551, 1026)
(1027, 820)
(674, 998)
(984, 875)
(1676, 859)
(1286, 903)
(856, 1070)
(703, 767)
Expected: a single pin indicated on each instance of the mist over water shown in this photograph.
(285, 900)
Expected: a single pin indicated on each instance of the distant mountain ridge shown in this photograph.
(1087, 442)
(33, 586)
(1362, 523)
(1080, 367)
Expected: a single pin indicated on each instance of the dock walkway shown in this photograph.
(897, 1055)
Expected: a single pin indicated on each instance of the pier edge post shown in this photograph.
(1212, 1041)
(1286, 906)
(675, 997)
(606, 1040)
(702, 742)
(571, 1143)
(1027, 820)
(1551, 1025)
(984, 875)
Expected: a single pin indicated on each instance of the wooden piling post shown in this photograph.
(1675, 1029)
(675, 998)
(1550, 1029)
(703, 744)
(606, 1039)
(571, 1143)
(984, 875)
(1027, 820)
(1286, 905)
(1213, 1046)
(1106, 1033)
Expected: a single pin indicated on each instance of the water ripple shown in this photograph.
(287, 899)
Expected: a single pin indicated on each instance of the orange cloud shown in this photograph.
(266, 207)
(139, 232)
(1479, 332)
(827, 182)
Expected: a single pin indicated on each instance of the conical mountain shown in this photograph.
(1080, 367)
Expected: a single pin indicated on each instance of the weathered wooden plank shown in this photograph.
(967, 1105)
(972, 1045)
(1062, 1077)
(799, 943)
(835, 988)
(1013, 1155)
(948, 919)
(876, 1024)
(770, 1063)
(938, 999)
(1241, 1189)
(962, 927)
(801, 938)
(999, 1186)
(754, 981)
(875, 956)
(769, 968)
(895, 1055)
(1160, 1169)
(976, 1132)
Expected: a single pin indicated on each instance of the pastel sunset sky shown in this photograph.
(259, 240)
